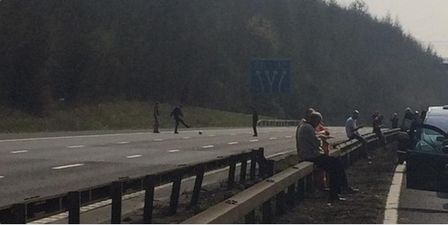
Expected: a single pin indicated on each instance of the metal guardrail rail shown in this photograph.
(278, 123)
(285, 187)
(41, 207)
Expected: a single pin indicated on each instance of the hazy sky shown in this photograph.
(426, 20)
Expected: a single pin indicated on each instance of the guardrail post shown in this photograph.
(301, 189)
(18, 214)
(148, 186)
(266, 211)
(197, 186)
(253, 165)
(74, 204)
(175, 193)
(309, 183)
(292, 195)
(116, 192)
(243, 170)
(280, 203)
(250, 218)
(231, 178)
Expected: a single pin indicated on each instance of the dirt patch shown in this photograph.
(367, 206)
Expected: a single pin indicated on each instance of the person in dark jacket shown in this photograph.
(254, 121)
(178, 118)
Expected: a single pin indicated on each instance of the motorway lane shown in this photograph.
(51, 165)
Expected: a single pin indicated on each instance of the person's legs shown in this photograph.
(180, 120)
(363, 145)
(254, 126)
(333, 168)
(176, 126)
(156, 125)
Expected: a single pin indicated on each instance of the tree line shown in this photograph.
(198, 52)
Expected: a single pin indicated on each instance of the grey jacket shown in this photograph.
(308, 145)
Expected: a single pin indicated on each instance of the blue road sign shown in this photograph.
(270, 76)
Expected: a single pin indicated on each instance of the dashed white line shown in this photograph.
(253, 140)
(133, 156)
(232, 143)
(173, 150)
(272, 138)
(158, 139)
(19, 151)
(1, 177)
(208, 146)
(123, 142)
(67, 166)
(288, 136)
(212, 135)
(186, 137)
(76, 146)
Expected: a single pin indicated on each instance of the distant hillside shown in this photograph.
(198, 52)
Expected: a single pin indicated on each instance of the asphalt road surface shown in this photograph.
(43, 166)
(422, 207)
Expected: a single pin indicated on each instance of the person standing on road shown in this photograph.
(394, 121)
(309, 150)
(156, 117)
(351, 129)
(178, 118)
(254, 121)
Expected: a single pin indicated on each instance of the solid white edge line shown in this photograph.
(393, 198)
(208, 146)
(18, 151)
(133, 156)
(67, 166)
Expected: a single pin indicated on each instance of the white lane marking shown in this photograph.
(1, 177)
(233, 134)
(288, 136)
(393, 198)
(232, 143)
(253, 140)
(272, 138)
(67, 166)
(123, 142)
(158, 139)
(76, 136)
(174, 150)
(212, 135)
(19, 151)
(208, 146)
(76, 146)
(186, 137)
(133, 156)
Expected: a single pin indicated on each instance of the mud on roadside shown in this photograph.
(367, 206)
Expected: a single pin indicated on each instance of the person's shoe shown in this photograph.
(255, 135)
(338, 198)
(176, 132)
(187, 126)
(350, 190)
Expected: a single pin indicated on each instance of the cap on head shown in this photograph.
(315, 118)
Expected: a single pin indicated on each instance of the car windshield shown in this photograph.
(430, 141)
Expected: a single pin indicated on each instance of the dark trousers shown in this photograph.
(254, 126)
(156, 124)
(334, 168)
(177, 124)
(363, 144)
(380, 136)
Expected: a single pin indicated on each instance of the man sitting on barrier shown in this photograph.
(309, 150)
(351, 129)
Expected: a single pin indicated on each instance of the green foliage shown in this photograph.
(117, 115)
(197, 52)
